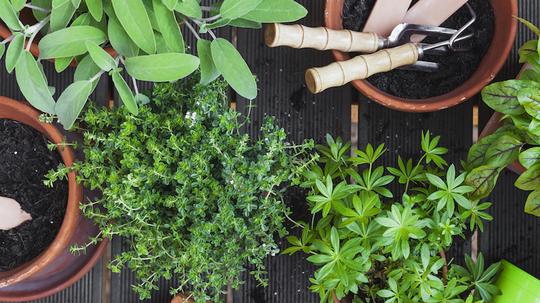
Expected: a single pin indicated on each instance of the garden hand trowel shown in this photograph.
(11, 214)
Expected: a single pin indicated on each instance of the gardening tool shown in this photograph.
(385, 15)
(409, 54)
(11, 214)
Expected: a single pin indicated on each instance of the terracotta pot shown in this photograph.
(182, 299)
(26, 14)
(56, 268)
(493, 61)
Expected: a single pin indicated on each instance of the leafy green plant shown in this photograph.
(194, 198)
(373, 246)
(519, 137)
(147, 40)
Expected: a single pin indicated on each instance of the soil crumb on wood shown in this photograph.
(24, 162)
(455, 68)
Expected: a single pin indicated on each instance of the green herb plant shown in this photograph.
(519, 137)
(147, 40)
(195, 199)
(373, 246)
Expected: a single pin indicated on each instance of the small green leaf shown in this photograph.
(233, 9)
(72, 101)
(503, 96)
(503, 151)
(532, 206)
(168, 26)
(530, 157)
(69, 42)
(61, 13)
(100, 57)
(531, 26)
(14, 52)
(95, 7)
(2, 49)
(60, 64)
(9, 15)
(161, 67)
(133, 16)
(33, 84)
(120, 40)
(170, 4)
(18, 5)
(190, 8)
(234, 69)
(125, 93)
(529, 98)
(530, 179)
(209, 71)
(243, 23)
(277, 11)
(483, 180)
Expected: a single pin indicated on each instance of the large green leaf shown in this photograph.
(125, 93)
(530, 157)
(483, 180)
(168, 27)
(532, 206)
(100, 57)
(190, 8)
(14, 52)
(33, 85)
(69, 42)
(277, 11)
(233, 9)
(120, 40)
(61, 14)
(503, 151)
(18, 5)
(86, 70)
(9, 15)
(134, 18)
(161, 67)
(530, 179)
(170, 4)
(503, 96)
(95, 7)
(234, 69)
(39, 15)
(72, 101)
(209, 71)
(529, 98)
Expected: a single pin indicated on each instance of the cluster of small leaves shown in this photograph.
(195, 198)
(519, 138)
(146, 37)
(376, 247)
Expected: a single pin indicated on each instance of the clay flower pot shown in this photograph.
(26, 15)
(493, 61)
(56, 268)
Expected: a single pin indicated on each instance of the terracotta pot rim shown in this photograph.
(15, 110)
(333, 19)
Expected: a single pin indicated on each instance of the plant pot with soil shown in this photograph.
(516, 285)
(512, 136)
(461, 75)
(35, 257)
(376, 246)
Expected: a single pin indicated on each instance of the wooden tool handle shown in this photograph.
(360, 67)
(321, 38)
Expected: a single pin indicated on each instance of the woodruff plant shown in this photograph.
(147, 42)
(373, 246)
(519, 138)
(195, 198)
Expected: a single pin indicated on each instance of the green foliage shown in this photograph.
(375, 247)
(147, 38)
(194, 198)
(519, 138)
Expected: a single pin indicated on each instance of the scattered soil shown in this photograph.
(24, 162)
(455, 68)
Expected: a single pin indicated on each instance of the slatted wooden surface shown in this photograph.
(513, 235)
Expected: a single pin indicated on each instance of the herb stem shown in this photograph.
(37, 8)
(34, 29)
(7, 40)
(190, 27)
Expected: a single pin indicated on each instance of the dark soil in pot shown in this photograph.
(24, 162)
(455, 68)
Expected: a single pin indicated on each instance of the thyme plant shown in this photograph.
(195, 198)
(372, 245)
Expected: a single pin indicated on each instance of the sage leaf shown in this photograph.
(86, 70)
(60, 64)
(233, 9)
(69, 42)
(18, 5)
(161, 67)
(125, 93)
(168, 26)
(234, 69)
(483, 180)
(277, 11)
(134, 18)
(33, 84)
(95, 7)
(530, 157)
(170, 4)
(530, 179)
(529, 98)
(503, 96)
(9, 16)
(82, 19)
(39, 15)
(72, 101)
(142, 99)
(2, 49)
(243, 23)
(209, 71)
(120, 40)
(532, 206)
(61, 13)
(100, 57)
(503, 151)
(190, 8)
(14, 52)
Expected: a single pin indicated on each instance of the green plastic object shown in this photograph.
(517, 286)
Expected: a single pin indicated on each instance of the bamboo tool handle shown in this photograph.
(360, 67)
(321, 38)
